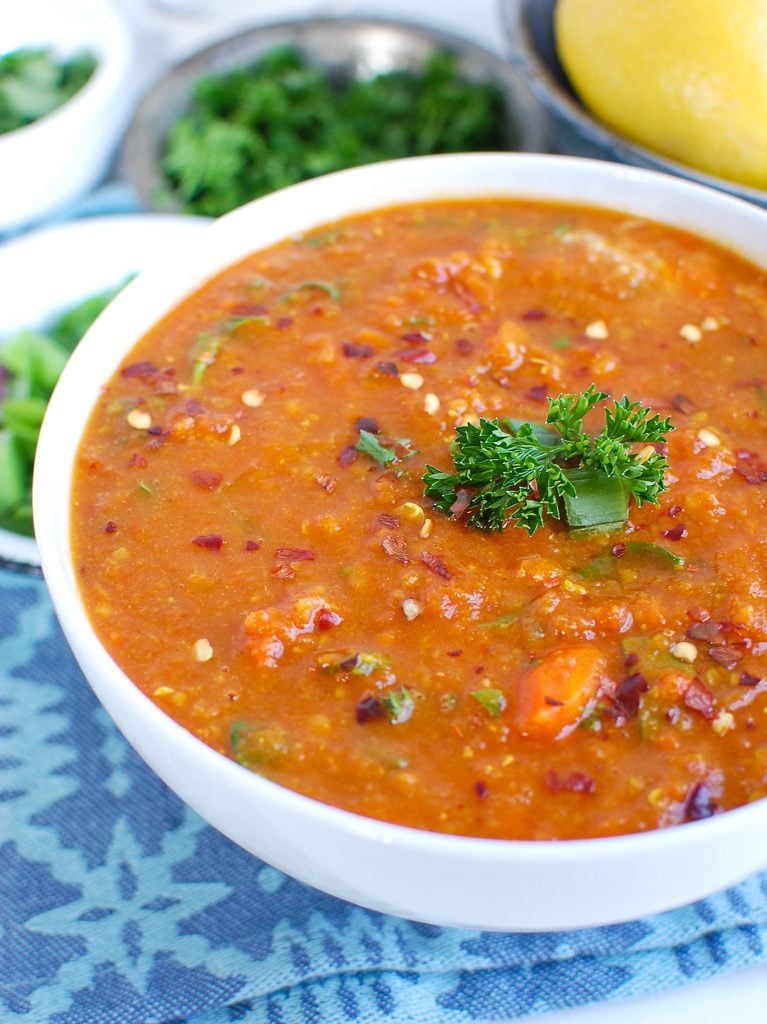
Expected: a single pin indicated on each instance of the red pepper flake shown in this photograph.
(416, 355)
(387, 369)
(144, 370)
(207, 480)
(699, 698)
(284, 322)
(575, 782)
(295, 554)
(367, 423)
(553, 702)
(619, 550)
(252, 545)
(416, 336)
(137, 460)
(348, 455)
(436, 565)
(538, 393)
(534, 314)
(710, 632)
(683, 404)
(388, 519)
(699, 803)
(480, 788)
(461, 503)
(354, 351)
(249, 309)
(751, 468)
(628, 693)
(748, 679)
(678, 532)
(464, 346)
(698, 614)
(630, 660)
(369, 709)
(396, 548)
(327, 483)
(674, 511)
(326, 618)
(193, 407)
(454, 654)
(110, 527)
(726, 655)
(237, 370)
(211, 541)
(283, 572)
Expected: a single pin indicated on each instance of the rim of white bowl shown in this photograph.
(52, 483)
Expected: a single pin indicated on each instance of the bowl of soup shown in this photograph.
(410, 526)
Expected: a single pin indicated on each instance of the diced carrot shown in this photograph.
(555, 694)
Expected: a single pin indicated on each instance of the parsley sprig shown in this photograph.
(511, 470)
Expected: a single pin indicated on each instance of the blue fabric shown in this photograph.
(118, 905)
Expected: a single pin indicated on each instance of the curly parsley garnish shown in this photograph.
(509, 470)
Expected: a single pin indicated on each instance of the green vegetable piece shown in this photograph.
(14, 470)
(493, 701)
(597, 502)
(257, 746)
(325, 286)
(502, 622)
(399, 705)
(369, 445)
(71, 325)
(522, 472)
(655, 554)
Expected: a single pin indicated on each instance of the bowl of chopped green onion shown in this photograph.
(65, 97)
(290, 101)
(83, 264)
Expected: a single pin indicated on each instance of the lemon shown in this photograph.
(686, 78)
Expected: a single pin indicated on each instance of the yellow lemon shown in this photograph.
(686, 78)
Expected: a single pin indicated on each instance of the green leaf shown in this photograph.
(493, 701)
(369, 445)
(257, 746)
(398, 704)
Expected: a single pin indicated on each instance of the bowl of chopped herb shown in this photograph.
(290, 101)
(65, 97)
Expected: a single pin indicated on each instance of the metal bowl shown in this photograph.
(345, 49)
(529, 30)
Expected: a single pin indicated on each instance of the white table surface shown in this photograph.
(168, 30)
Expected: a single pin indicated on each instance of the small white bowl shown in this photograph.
(76, 260)
(443, 879)
(58, 158)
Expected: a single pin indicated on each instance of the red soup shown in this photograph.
(471, 653)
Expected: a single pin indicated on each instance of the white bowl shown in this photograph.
(58, 158)
(443, 879)
(76, 260)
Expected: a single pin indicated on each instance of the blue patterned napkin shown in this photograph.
(118, 905)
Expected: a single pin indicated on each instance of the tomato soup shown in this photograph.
(255, 548)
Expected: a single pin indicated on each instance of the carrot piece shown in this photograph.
(555, 694)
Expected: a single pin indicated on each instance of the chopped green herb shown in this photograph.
(325, 286)
(493, 701)
(502, 622)
(399, 705)
(369, 445)
(521, 472)
(255, 129)
(34, 83)
(559, 343)
(256, 746)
